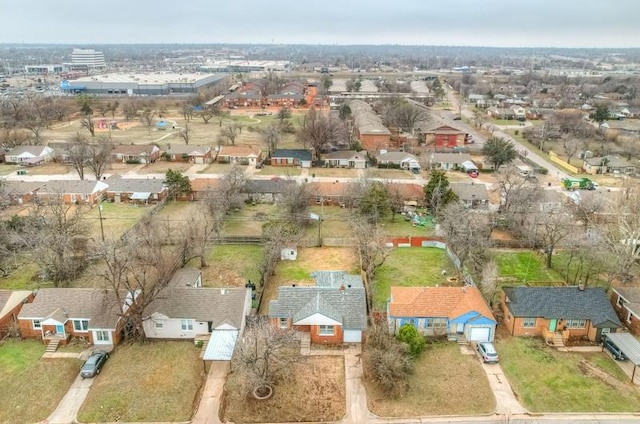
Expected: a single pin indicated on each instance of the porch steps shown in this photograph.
(52, 346)
(462, 340)
(557, 340)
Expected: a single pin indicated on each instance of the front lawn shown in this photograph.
(445, 382)
(158, 381)
(315, 392)
(546, 380)
(411, 267)
(32, 387)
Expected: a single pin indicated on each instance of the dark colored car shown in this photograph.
(615, 350)
(94, 363)
(488, 352)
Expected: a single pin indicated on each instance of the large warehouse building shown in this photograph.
(142, 84)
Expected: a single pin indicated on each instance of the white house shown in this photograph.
(29, 155)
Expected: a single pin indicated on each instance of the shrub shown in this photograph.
(409, 335)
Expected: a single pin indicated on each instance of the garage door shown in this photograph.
(352, 336)
(479, 334)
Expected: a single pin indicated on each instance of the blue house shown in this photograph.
(460, 313)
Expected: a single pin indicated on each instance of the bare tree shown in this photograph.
(187, 112)
(147, 117)
(99, 157)
(550, 227)
(571, 146)
(319, 132)
(88, 123)
(185, 133)
(276, 235)
(372, 249)
(488, 285)
(623, 234)
(586, 257)
(12, 137)
(130, 110)
(263, 356)
(198, 228)
(396, 199)
(398, 112)
(206, 114)
(295, 200)
(230, 133)
(271, 135)
(77, 152)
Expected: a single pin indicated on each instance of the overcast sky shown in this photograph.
(508, 23)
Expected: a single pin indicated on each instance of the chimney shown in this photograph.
(464, 289)
(581, 286)
(223, 291)
(341, 288)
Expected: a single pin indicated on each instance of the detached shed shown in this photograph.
(289, 253)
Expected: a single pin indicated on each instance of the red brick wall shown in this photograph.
(26, 330)
(623, 314)
(318, 339)
(414, 241)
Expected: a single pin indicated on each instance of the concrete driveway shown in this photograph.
(506, 402)
(70, 404)
(209, 406)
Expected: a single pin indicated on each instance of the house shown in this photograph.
(460, 313)
(445, 137)
(267, 191)
(191, 313)
(291, 157)
(501, 113)
(369, 129)
(135, 153)
(449, 161)
(519, 113)
(626, 302)
(411, 194)
(186, 277)
(332, 193)
(29, 155)
(11, 302)
(402, 160)
(575, 312)
(471, 195)
(19, 192)
(135, 190)
(59, 314)
(289, 253)
(249, 95)
(333, 311)
(186, 153)
(610, 165)
(240, 155)
(345, 159)
(86, 192)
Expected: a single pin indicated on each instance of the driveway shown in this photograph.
(209, 406)
(70, 404)
(506, 402)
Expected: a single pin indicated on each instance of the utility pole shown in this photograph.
(101, 218)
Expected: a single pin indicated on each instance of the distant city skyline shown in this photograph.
(490, 23)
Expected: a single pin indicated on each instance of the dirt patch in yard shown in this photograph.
(590, 370)
(314, 392)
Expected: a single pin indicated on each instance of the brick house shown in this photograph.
(188, 153)
(20, 192)
(135, 190)
(626, 302)
(135, 153)
(240, 155)
(471, 195)
(29, 155)
(59, 314)
(445, 137)
(11, 302)
(334, 311)
(345, 159)
(558, 312)
(85, 192)
(292, 157)
(369, 129)
(332, 193)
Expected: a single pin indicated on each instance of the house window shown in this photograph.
(102, 335)
(186, 324)
(80, 325)
(284, 323)
(159, 324)
(435, 323)
(36, 324)
(326, 330)
(629, 315)
(529, 322)
(289, 161)
(576, 323)
(620, 301)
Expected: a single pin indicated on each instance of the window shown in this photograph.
(159, 324)
(186, 324)
(36, 324)
(620, 301)
(529, 322)
(290, 161)
(435, 323)
(81, 325)
(576, 323)
(326, 330)
(284, 323)
(629, 315)
(102, 335)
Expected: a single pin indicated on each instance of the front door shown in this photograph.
(60, 329)
(552, 325)
(460, 328)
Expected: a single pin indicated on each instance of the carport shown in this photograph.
(629, 345)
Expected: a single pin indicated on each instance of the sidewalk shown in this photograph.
(209, 406)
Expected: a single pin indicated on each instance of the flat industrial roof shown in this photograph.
(154, 78)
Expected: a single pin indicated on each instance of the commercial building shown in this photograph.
(142, 84)
(87, 59)
(44, 69)
(245, 66)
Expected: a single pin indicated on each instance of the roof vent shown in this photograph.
(223, 291)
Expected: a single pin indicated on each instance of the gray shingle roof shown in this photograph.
(100, 307)
(202, 304)
(300, 154)
(592, 303)
(472, 191)
(184, 149)
(184, 277)
(267, 186)
(118, 184)
(632, 296)
(336, 279)
(348, 307)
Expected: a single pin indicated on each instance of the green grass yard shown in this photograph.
(31, 387)
(410, 267)
(230, 265)
(546, 380)
(524, 266)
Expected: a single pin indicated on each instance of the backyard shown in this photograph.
(230, 265)
(315, 392)
(158, 381)
(411, 267)
(117, 218)
(27, 380)
(522, 266)
(442, 383)
(546, 380)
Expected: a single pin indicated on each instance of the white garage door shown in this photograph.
(352, 336)
(479, 334)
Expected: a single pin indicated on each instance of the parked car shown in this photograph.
(614, 350)
(93, 364)
(488, 352)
